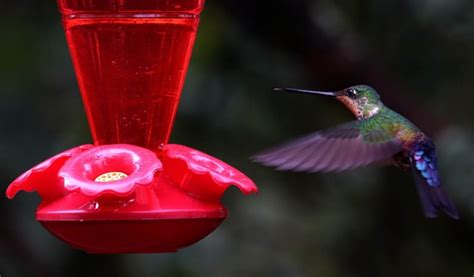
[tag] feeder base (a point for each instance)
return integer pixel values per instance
(132, 236)
(138, 204)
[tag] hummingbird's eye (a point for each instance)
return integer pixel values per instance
(352, 93)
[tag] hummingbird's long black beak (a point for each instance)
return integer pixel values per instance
(304, 91)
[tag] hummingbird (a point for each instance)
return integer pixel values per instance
(379, 135)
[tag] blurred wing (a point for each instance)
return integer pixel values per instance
(340, 148)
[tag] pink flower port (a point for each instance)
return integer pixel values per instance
(193, 170)
(134, 165)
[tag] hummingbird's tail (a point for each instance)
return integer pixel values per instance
(434, 199)
(425, 171)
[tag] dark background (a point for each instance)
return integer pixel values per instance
(418, 54)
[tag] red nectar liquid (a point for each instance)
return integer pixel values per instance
(130, 58)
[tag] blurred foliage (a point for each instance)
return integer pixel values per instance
(418, 54)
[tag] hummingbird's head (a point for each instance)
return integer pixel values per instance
(363, 101)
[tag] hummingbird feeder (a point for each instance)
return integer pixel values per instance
(131, 191)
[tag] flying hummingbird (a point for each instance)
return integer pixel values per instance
(378, 135)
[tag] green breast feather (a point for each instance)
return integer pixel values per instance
(386, 125)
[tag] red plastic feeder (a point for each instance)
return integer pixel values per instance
(131, 191)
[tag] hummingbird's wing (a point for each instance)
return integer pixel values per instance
(347, 146)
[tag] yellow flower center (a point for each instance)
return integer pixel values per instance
(110, 176)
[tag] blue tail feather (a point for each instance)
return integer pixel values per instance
(425, 171)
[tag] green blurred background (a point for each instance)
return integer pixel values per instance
(418, 54)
